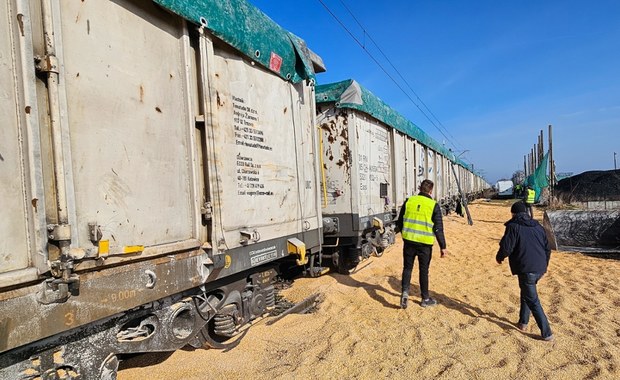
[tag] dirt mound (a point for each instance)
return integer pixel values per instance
(599, 185)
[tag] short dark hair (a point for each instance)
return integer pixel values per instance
(426, 186)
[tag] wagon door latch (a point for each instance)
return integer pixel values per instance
(248, 236)
(63, 283)
(57, 290)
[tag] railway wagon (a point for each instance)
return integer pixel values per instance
(372, 160)
(158, 165)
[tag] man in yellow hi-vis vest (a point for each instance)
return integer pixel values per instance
(420, 223)
(529, 197)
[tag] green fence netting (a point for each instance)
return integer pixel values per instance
(538, 180)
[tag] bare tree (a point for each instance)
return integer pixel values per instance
(518, 177)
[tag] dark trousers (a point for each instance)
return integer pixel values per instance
(424, 254)
(530, 210)
(531, 303)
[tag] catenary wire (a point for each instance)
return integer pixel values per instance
(454, 142)
(384, 70)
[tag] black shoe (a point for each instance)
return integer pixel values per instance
(428, 302)
(403, 300)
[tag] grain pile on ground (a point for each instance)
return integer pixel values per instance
(590, 186)
(359, 332)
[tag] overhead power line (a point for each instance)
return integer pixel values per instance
(397, 71)
(372, 57)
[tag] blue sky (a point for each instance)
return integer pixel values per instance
(494, 73)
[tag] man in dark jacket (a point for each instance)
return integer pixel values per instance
(420, 222)
(526, 246)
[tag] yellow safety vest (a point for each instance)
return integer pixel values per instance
(417, 223)
(531, 196)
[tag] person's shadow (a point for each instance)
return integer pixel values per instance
(457, 305)
(376, 292)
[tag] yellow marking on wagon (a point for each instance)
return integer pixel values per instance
(104, 247)
(133, 248)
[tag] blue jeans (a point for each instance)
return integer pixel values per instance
(531, 303)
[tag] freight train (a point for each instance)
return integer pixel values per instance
(372, 159)
(162, 161)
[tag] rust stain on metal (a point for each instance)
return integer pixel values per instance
(346, 155)
(329, 153)
(34, 202)
(27, 109)
(341, 128)
(141, 93)
(331, 130)
(220, 103)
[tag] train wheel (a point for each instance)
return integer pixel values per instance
(222, 331)
(345, 260)
(379, 252)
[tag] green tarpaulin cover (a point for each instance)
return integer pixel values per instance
(349, 94)
(246, 28)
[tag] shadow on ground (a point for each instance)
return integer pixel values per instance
(456, 305)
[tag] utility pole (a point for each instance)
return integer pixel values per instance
(541, 146)
(551, 163)
(615, 168)
(463, 199)
(458, 186)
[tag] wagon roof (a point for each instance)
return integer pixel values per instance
(350, 94)
(254, 34)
